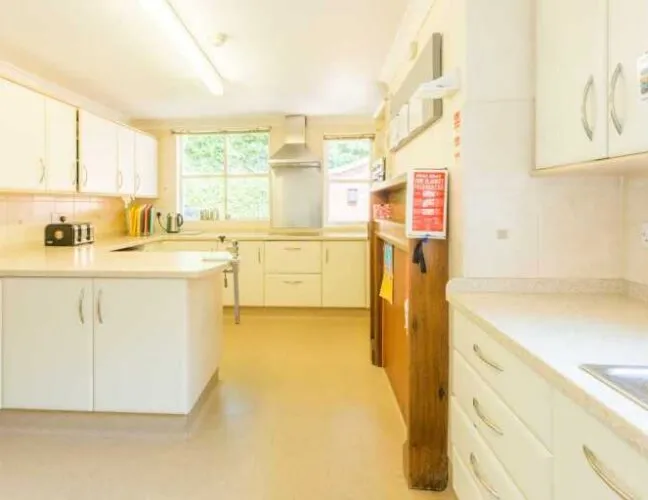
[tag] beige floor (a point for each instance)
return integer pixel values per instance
(299, 414)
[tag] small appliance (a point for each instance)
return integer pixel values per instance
(174, 222)
(69, 234)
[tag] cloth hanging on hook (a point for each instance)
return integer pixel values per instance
(418, 257)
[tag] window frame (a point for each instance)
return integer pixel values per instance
(225, 175)
(328, 181)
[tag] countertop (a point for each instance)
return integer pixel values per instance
(240, 236)
(556, 333)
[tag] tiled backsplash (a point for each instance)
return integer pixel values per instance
(635, 213)
(23, 217)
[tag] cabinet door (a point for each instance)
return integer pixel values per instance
(22, 138)
(344, 278)
(140, 334)
(98, 154)
(47, 344)
(587, 454)
(146, 166)
(571, 82)
(628, 121)
(61, 138)
(251, 274)
(126, 168)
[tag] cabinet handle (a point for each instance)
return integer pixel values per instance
(600, 472)
(326, 256)
(585, 121)
(80, 306)
(85, 175)
(43, 169)
(474, 465)
(99, 307)
(292, 249)
(613, 111)
(485, 419)
(484, 359)
(296, 282)
(120, 179)
(259, 254)
(137, 182)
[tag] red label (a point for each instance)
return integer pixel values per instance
(429, 202)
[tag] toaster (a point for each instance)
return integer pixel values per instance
(68, 234)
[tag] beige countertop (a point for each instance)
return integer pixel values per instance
(250, 236)
(556, 333)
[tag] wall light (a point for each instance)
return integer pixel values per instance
(185, 43)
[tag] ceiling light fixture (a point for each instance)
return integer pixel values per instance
(185, 43)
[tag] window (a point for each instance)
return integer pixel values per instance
(347, 179)
(225, 176)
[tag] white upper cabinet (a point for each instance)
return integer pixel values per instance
(146, 166)
(571, 82)
(98, 154)
(126, 167)
(344, 274)
(628, 123)
(61, 142)
(22, 138)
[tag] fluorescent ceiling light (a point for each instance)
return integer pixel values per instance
(185, 43)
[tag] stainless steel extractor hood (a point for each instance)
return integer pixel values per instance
(295, 152)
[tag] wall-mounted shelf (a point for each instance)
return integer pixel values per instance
(390, 184)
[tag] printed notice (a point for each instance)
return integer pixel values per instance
(427, 204)
(642, 75)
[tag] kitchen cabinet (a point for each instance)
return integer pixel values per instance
(628, 41)
(344, 274)
(47, 353)
(22, 138)
(146, 166)
(571, 82)
(61, 141)
(138, 334)
(126, 163)
(293, 290)
(251, 283)
(591, 461)
(286, 257)
(98, 154)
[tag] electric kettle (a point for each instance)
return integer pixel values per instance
(174, 222)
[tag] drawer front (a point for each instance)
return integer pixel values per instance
(463, 483)
(488, 473)
(519, 386)
(291, 257)
(521, 453)
(293, 290)
(618, 465)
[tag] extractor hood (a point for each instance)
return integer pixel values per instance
(294, 152)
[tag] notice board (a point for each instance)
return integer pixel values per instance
(427, 204)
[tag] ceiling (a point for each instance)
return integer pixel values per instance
(316, 57)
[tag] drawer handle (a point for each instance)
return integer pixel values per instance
(480, 355)
(485, 419)
(474, 465)
(600, 472)
(292, 249)
(296, 282)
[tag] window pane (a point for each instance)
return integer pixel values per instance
(348, 158)
(247, 153)
(348, 202)
(198, 194)
(203, 154)
(248, 199)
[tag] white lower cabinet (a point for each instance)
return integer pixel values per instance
(463, 482)
(47, 344)
(251, 283)
(344, 274)
(591, 462)
(293, 290)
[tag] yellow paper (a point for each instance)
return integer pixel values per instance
(387, 288)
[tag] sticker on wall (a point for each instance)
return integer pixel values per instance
(427, 204)
(387, 285)
(642, 75)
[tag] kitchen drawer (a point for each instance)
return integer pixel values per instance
(463, 482)
(492, 479)
(525, 458)
(291, 257)
(293, 290)
(617, 463)
(519, 386)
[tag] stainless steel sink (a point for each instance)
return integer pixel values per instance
(631, 381)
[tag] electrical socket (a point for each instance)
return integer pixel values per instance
(644, 234)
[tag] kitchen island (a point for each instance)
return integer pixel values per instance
(90, 329)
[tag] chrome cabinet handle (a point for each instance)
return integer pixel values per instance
(292, 249)
(478, 352)
(99, 307)
(489, 423)
(120, 179)
(85, 175)
(613, 111)
(80, 306)
(474, 465)
(296, 282)
(137, 182)
(326, 256)
(43, 169)
(259, 254)
(585, 121)
(600, 472)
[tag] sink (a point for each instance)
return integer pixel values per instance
(629, 380)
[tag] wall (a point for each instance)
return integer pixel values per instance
(317, 128)
(635, 214)
(504, 222)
